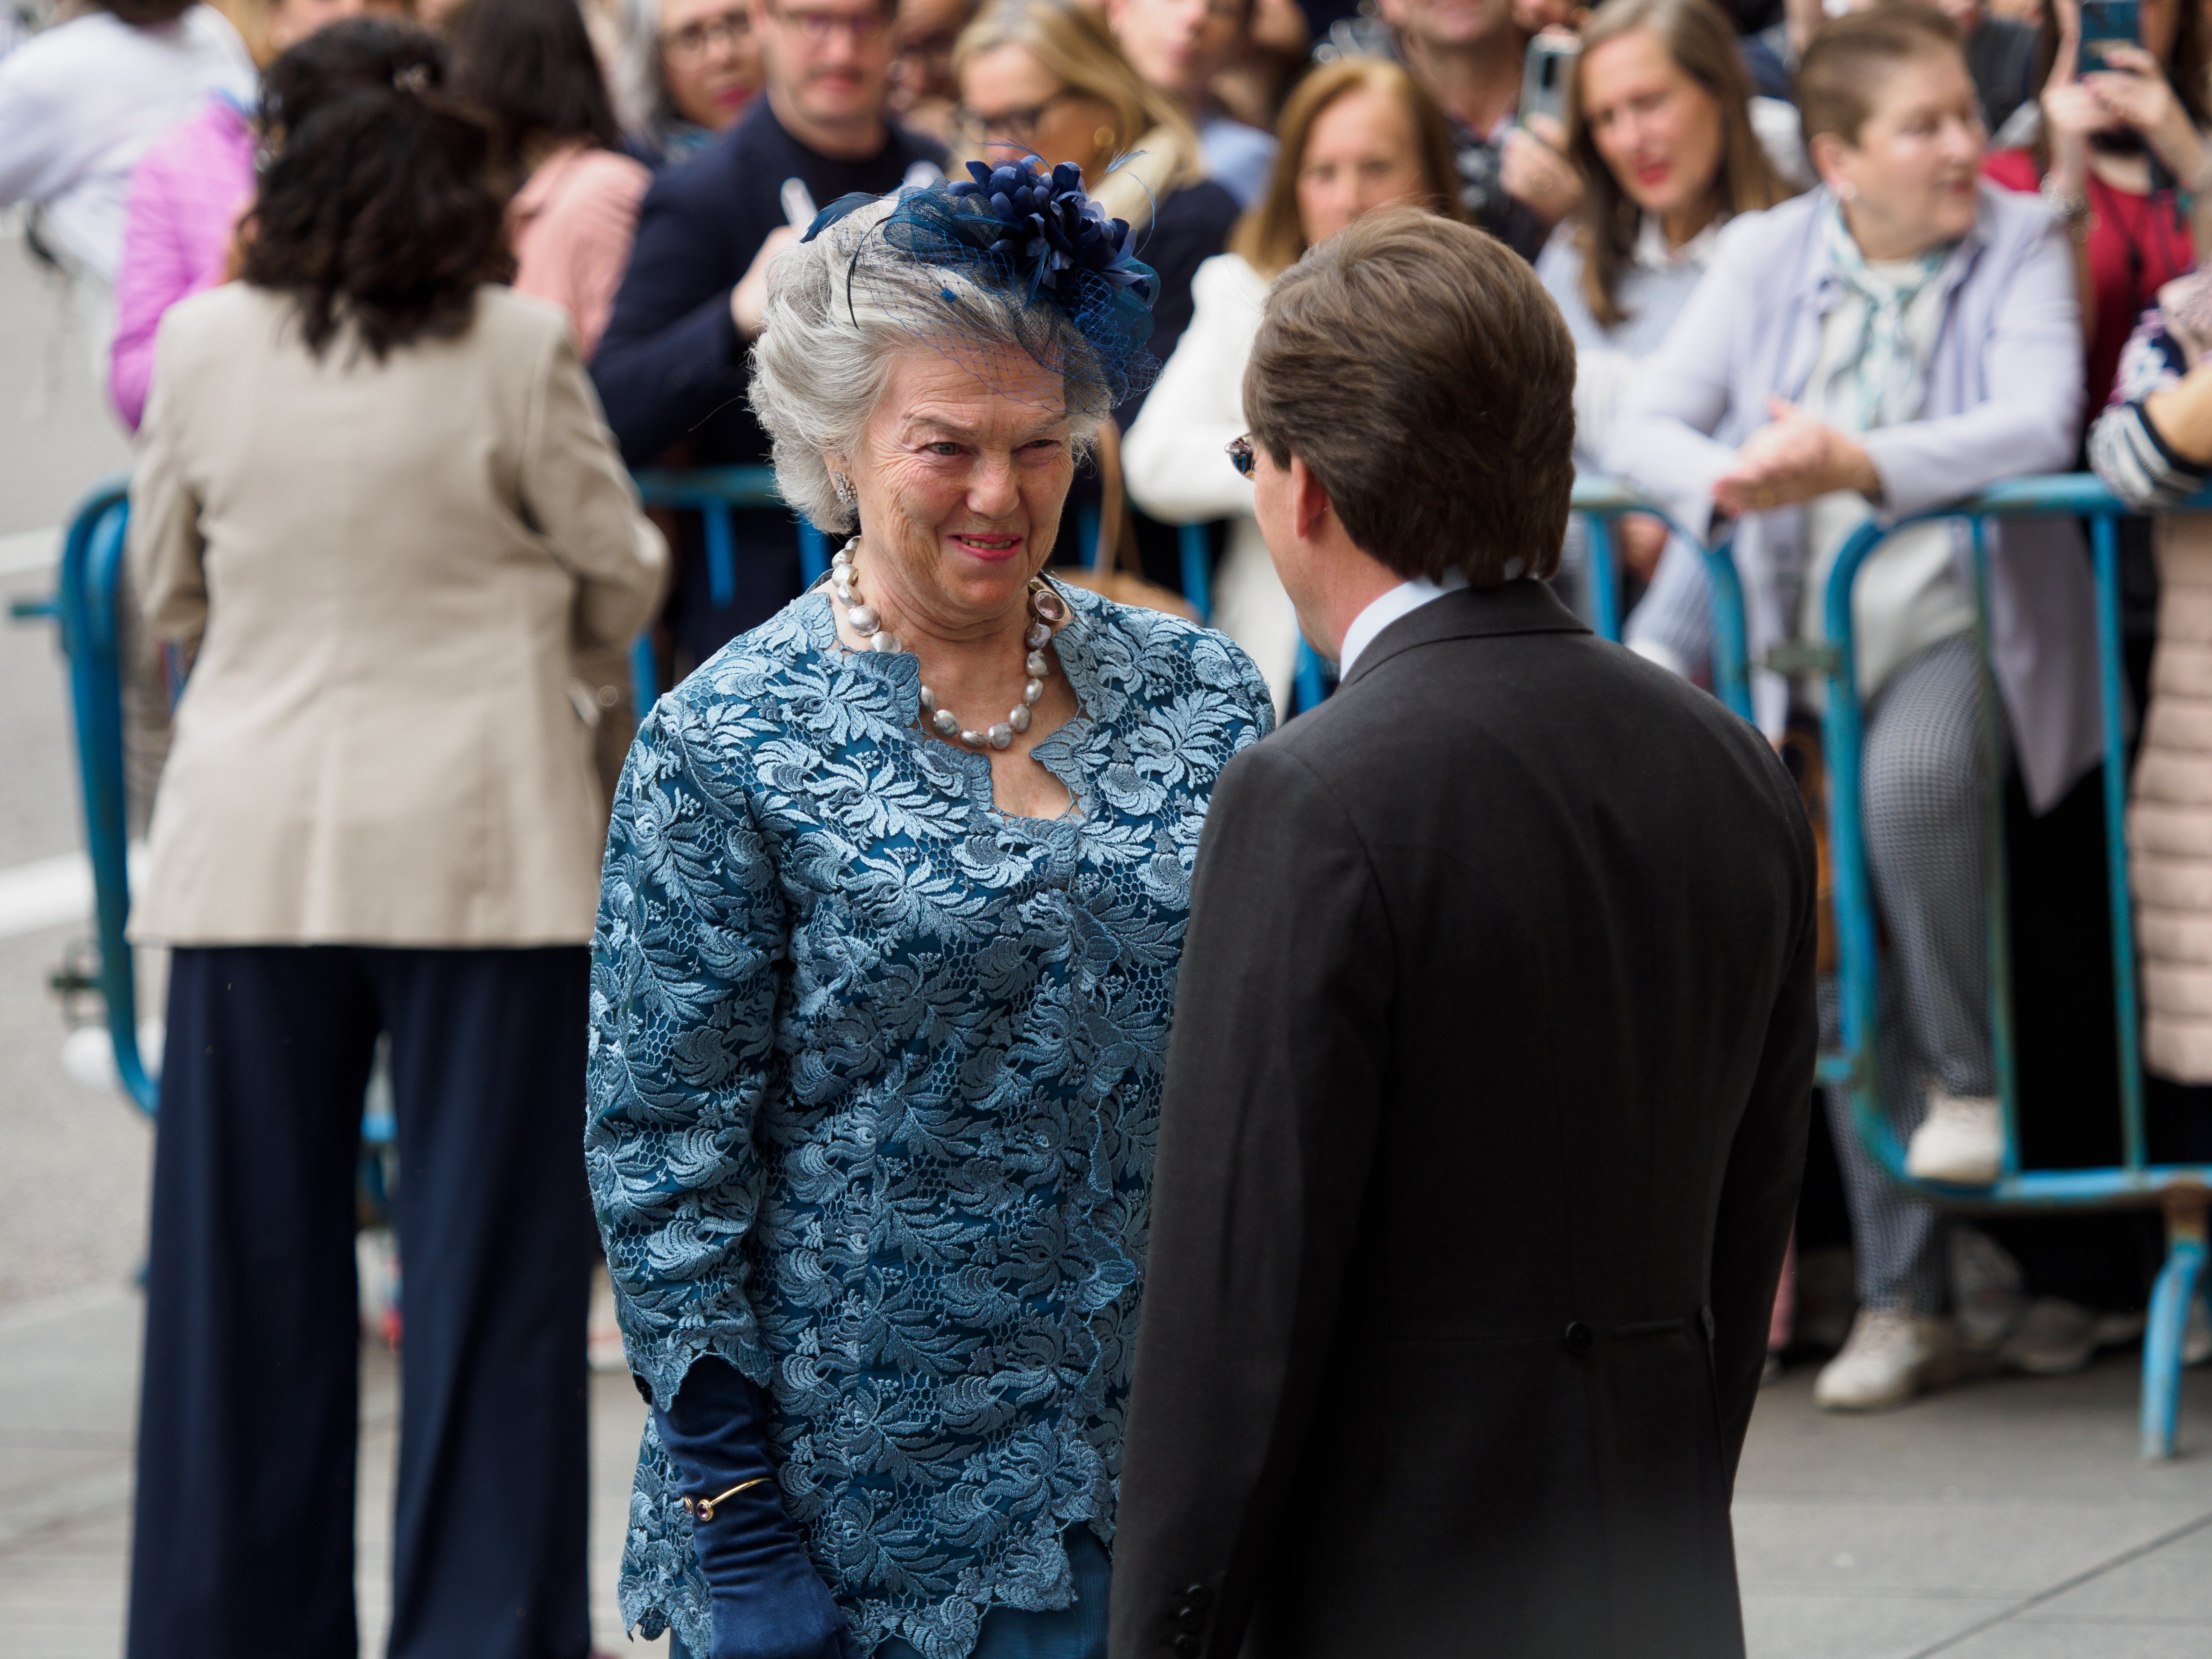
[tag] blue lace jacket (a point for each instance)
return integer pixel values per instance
(874, 1076)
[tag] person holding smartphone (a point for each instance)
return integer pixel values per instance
(1470, 58)
(2123, 145)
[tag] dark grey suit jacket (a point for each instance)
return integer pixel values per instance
(1484, 1116)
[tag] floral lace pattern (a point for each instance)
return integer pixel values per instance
(874, 1076)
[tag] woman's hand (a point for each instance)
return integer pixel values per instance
(2134, 91)
(768, 1601)
(1536, 172)
(2070, 110)
(1793, 458)
(786, 1613)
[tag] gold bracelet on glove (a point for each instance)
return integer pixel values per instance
(701, 1509)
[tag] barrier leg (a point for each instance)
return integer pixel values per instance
(1604, 576)
(722, 556)
(1312, 690)
(2169, 1316)
(813, 554)
(644, 675)
(1197, 556)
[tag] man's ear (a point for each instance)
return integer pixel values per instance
(1309, 503)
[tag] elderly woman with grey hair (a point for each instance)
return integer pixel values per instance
(893, 904)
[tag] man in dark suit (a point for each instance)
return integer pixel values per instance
(1486, 1104)
(671, 367)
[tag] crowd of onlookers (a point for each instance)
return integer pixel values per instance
(1818, 261)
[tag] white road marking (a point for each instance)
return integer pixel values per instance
(49, 892)
(28, 551)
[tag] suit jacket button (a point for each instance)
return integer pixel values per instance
(1190, 1618)
(1198, 1595)
(1579, 1338)
(1186, 1644)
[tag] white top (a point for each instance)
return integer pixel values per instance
(1173, 459)
(1403, 600)
(1603, 372)
(83, 102)
(1908, 596)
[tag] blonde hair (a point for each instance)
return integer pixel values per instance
(1272, 236)
(1076, 48)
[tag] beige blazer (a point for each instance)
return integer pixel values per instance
(387, 569)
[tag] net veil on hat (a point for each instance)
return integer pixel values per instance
(1022, 252)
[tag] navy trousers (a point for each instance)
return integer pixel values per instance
(244, 1537)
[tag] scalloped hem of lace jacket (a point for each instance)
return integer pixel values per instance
(950, 1630)
(669, 1359)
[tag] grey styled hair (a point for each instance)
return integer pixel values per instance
(840, 309)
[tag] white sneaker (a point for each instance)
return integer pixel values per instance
(1889, 1358)
(2058, 1338)
(1961, 1141)
(1988, 1293)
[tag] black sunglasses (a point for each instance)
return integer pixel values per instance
(1241, 456)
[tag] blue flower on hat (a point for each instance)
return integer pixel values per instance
(1049, 228)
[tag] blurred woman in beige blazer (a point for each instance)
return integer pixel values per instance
(376, 498)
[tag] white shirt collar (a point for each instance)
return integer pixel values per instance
(1403, 600)
(1652, 254)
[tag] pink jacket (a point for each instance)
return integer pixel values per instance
(571, 225)
(185, 197)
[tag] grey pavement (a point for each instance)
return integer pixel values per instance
(2009, 1519)
(73, 1163)
(68, 1392)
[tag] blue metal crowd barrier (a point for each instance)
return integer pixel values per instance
(2181, 1190)
(1599, 503)
(715, 493)
(84, 608)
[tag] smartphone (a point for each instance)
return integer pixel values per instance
(1547, 72)
(799, 203)
(2104, 23)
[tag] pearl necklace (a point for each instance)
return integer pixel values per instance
(1045, 610)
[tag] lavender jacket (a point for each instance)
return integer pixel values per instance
(2004, 398)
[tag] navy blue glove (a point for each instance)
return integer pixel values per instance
(769, 1601)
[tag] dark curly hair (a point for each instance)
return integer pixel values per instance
(375, 209)
(529, 66)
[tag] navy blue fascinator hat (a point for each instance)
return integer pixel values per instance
(1021, 251)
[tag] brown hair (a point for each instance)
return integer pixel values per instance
(1270, 236)
(1847, 57)
(1418, 369)
(1700, 41)
(1077, 49)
